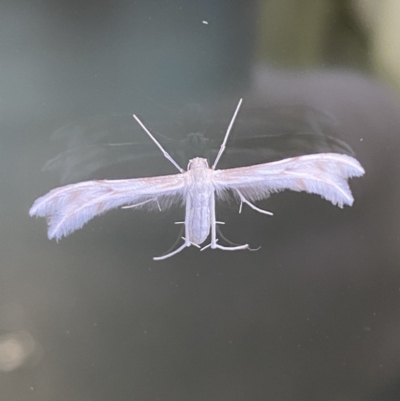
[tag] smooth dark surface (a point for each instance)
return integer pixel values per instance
(313, 315)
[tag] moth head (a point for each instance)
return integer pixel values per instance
(197, 162)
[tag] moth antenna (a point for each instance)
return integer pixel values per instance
(228, 131)
(164, 152)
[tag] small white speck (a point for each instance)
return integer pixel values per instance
(31, 388)
(361, 139)
(205, 22)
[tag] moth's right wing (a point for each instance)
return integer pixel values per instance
(324, 174)
(68, 208)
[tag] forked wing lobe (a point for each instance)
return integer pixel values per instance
(68, 208)
(324, 174)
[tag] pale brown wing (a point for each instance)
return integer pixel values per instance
(324, 174)
(68, 208)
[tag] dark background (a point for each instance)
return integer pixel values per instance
(313, 315)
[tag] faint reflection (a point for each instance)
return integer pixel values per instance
(15, 350)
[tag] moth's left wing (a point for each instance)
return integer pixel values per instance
(68, 208)
(324, 174)
(81, 163)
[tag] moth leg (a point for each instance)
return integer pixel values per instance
(168, 255)
(177, 241)
(182, 247)
(233, 243)
(224, 238)
(214, 240)
(230, 248)
(208, 246)
(191, 243)
(187, 242)
(142, 203)
(244, 200)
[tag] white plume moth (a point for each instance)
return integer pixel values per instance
(69, 207)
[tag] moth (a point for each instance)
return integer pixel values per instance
(69, 207)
